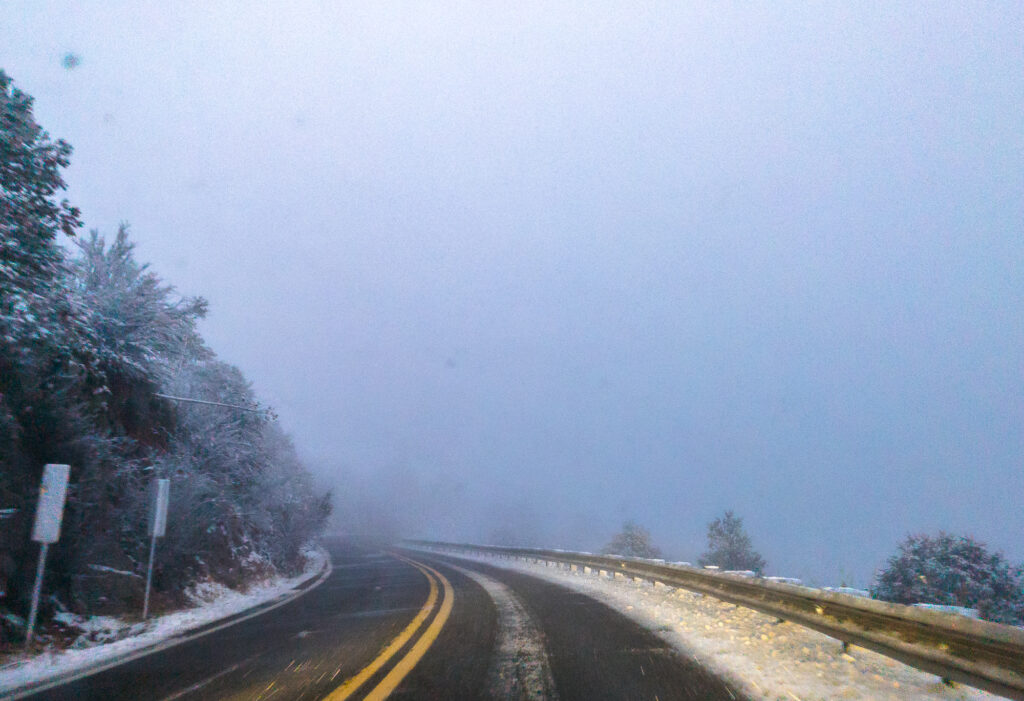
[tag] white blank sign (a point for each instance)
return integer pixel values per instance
(158, 508)
(50, 509)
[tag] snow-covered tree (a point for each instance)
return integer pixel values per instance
(86, 344)
(954, 571)
(729, 546)
(140, 328)
(44, 357)
(633, 540)
(241, 493)
(31, 218)
(295, 510)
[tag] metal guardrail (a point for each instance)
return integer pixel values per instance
(982, 654)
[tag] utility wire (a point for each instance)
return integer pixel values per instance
(256, 410)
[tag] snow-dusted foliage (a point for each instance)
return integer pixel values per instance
(30, 218)
(634, 541)
(953, 571)
(729, 546)
(139, 328)
(242, 496)
(87, 343)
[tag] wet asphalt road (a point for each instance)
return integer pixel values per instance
(307, 648)
(597, 653)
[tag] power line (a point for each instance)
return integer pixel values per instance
(255, 410)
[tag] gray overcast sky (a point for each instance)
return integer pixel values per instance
(550, 266)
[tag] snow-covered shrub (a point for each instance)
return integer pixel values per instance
(953, 571)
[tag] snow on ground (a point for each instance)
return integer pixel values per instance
(106, 638)
(766, 658)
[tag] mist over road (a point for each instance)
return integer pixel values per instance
(573, 265)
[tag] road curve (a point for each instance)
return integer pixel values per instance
(593, 651)
(412, 625)
(302, 650)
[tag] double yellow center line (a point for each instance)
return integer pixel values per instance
(405, 665)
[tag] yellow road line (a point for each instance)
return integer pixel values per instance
(406, 664)
(351, 685)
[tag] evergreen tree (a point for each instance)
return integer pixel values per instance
(138, 326)
(634, 541)
(44, 354)
(954, 571)
(729, 546)
(30, 219)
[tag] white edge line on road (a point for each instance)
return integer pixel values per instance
(26, 691)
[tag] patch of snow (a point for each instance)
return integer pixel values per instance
(104, 568)
(95, 630)
(963, 611)
(785, 580)
(520, 667)
(741, 573)
(756, 652)
(67, 619)
(850, 590)
(106, 638)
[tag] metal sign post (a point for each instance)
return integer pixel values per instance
(157, 528)
(49, 514)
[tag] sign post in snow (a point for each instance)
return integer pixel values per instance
(157, 528)
(46, 529)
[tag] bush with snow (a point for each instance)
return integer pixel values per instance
(953, 571)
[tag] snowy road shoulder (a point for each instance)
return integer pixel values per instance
(765, 657)
(216, 607)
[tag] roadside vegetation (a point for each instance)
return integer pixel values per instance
(729, 546)
(942, 570)
(633, 541)
(89, 337)
(953, 571)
